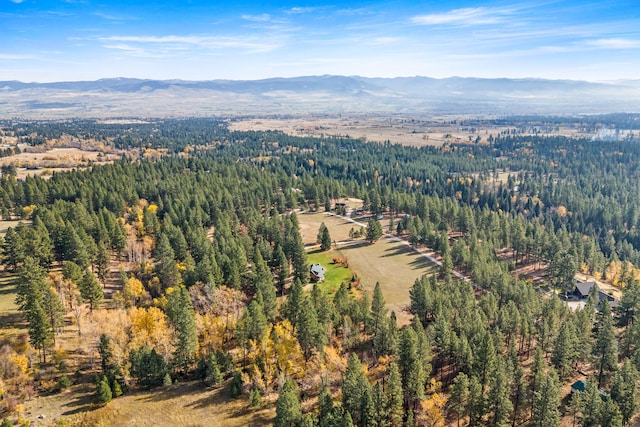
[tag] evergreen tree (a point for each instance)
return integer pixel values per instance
(40, 329)
(356, 392)
(282, 267)
(263, 283)
(90, 289)
(324, 238)
(255, 399)
(629, 304)
(385, 341)
(537, 372)
(72, 271)
(13, 249)
(477, 405)
(374, 230)
(309, 331)
(520, 393)
(166, 267)
(498, 400)
(74, 248)
(110, 367)
(605, 348)
(235, 385)
(591, 405)
(484, 359)
(546, 402)
(183, 318)
(31, 290)
(212, 376)
(288, 408)
(447, 265)
(378, 309)
(103, 258)
(103, 392)
(419, 300)
(395, 398)
(293, 303)
(610, 415)
(298, 256)
(459, 398)
(147, 367)
(624, 391)
(116, 388)
(565, 349)
(411, 369)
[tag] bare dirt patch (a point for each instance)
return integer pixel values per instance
(5, 225)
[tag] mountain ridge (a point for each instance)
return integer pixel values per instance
(315, 94)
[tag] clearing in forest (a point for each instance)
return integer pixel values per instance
(182, 404)
(394, 264)
(335, 272)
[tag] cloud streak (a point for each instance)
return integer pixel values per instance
(203, 42)
(615, 43)
(114, 17)
(468, 16)
(265, 17)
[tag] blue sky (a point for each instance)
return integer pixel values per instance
(204, 40)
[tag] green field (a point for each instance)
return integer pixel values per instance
(335, 274)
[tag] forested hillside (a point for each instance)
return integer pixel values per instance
(183, 261)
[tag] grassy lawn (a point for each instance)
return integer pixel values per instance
(11, 322)
(335, 274)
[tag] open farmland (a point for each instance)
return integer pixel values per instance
(58, 159)
(398, 130)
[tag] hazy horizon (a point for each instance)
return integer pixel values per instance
(614, 81)
(72, 40)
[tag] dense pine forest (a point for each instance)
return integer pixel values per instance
(183, 261)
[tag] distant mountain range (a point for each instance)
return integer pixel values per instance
(119, 97)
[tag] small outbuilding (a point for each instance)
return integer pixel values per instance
(578, 386)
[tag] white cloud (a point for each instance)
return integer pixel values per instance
(114, 17)
(265, 17)
(136, 51)
(11, 57)
(467, 16)
(615, 43)
(17, 1)
(298, 10)
(173, 42)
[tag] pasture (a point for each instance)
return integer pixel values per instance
(394, 264)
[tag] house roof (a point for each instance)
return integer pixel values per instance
(584, 288)
(578, 386)
(603, 295)
(317, 270)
